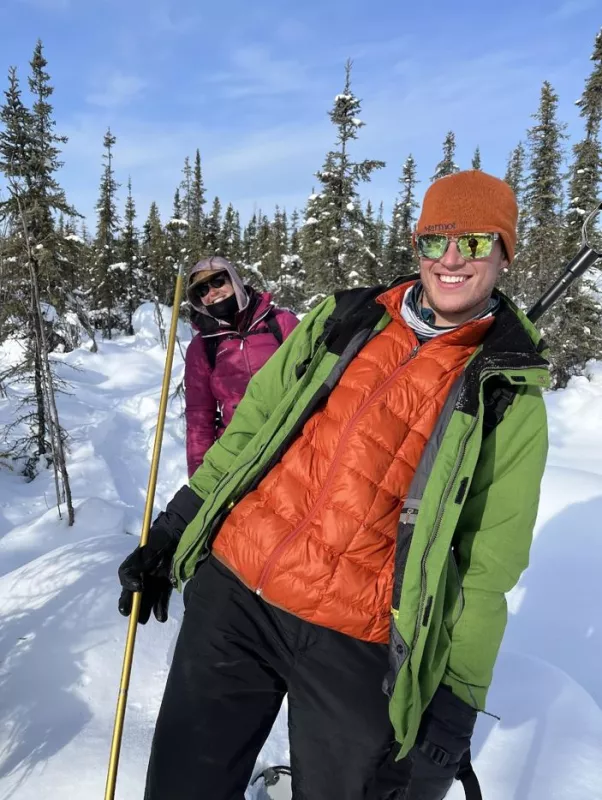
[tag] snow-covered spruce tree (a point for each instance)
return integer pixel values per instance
(513, 278)
(290, 291)
(249, 239)
(277, 247)
(176, 231)
(258, 243)
(29, 160)
(230, 242)
(192, 192)
(543, 201)
(373, 271)
(586, 170)
(109, 283)
(476, 159)
(130, 256)
(186, 189)
(334, 253)
(400, 256)
(212, 229)
(157, 276)
(577, 329)
(15, 144)
(447, 165)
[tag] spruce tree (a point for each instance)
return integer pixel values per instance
(130, 255)
(260, 253)
(372, 273)
(186, 190)
(175, 237)
(230, 245)
(476, 159)
(586, 171)
(577, 336)
(447, 165)
(290, 292)
(156, 264)
(543, 199)
(381, 241)
(15, 145)
(109, 280)
(29, 159)
(400, 256)
(277, 246)
(195, 203)
(248, 239)
(514, 277)
(212, 229)
(334, 253)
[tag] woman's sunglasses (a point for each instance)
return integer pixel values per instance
(470, 245)
(216, 282)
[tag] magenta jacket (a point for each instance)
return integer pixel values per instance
(212, 395)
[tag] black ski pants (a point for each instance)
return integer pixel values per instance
(235, 659)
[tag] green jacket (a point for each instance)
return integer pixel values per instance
(466, 529)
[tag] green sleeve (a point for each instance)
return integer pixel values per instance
(493, 540)
(264, 392)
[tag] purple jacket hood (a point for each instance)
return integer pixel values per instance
(217, 264)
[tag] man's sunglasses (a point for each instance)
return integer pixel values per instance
(470, 245)
(216, 282)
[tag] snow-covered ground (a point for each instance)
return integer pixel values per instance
(61, 638)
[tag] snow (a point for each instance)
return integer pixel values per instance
(49, 312)
(62, 640)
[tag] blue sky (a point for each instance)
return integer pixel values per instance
(250, 84)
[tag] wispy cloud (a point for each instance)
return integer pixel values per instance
(116, 89)
(571, 8)
(255, 71)
(164, 18)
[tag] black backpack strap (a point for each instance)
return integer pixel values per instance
(499, 395)
(211, 343)
(468, 778)
(272, 323)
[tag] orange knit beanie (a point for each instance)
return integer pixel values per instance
(470, 202)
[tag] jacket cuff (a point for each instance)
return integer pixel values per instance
(180, 511)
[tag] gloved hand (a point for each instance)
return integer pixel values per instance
(442, 748)
(147, 569)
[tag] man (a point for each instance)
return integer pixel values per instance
(350, 539)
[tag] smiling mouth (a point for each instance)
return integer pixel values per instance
(453, 280)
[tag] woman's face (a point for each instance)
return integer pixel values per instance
(217, 288)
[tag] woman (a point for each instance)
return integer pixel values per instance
(239, 329)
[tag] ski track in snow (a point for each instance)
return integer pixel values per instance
(62, 640)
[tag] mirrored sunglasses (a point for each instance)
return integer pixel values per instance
(216, 282)
(470, 245)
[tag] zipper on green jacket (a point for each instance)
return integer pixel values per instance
(437, 525)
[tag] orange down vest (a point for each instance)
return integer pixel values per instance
(317, 535)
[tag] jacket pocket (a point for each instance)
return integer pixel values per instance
(454, 593)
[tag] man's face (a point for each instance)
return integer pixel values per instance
(457, 289)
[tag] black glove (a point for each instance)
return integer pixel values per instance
(147, 569)
(441, 749)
